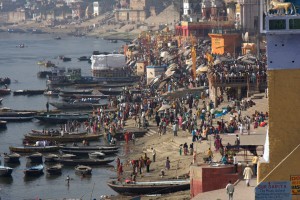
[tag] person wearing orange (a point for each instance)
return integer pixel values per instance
(126, 136)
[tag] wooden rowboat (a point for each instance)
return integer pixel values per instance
(32, 149)
(74, 162)
(65, 138)
(152, 187)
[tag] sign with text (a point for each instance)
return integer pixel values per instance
(276, 190)
(295, 183)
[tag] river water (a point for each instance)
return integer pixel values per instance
(20, 64)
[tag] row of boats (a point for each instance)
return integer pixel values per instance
(96, 156)
(51, 170)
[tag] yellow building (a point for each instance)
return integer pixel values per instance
(283, 142)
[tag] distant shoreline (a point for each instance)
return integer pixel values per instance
(126, 37)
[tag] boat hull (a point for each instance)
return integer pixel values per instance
(61, 119)
(137, 189)
(54, 170)
(86, 152)
(67, 138)
(33, 149)
(8, 159)
(17, 116)
(75, 162)
(34, 171)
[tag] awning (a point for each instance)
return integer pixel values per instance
(164, 107)
(202, 70)
(169, 73)
(187, 52)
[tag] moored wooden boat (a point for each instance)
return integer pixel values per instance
(74, 162)
(77, 105)
(86, 152)
(62, 118)
(16, 116)
(32, 149)
(34, 170)
(12, 158)
(35, 158)
(54, 170)
(77, 91)
(151, 187)
(92, 148)
(84, 58)
(28, 92)
(83, 170)
(64, 138)
(5, 171)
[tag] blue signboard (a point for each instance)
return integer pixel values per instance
(277, 190)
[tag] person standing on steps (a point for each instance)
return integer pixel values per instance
(230, 190)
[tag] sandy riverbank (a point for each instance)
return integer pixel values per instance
(168, 146)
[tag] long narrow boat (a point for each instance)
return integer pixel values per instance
(62, 118)
(91, 148)
(16, 116)
(32, 149)
(28, 92)
(5, 171)
(74, 162)
(77, 105)
(34, 171)
(86, 152)
(64, 138)
(76, 91)
(152, 187)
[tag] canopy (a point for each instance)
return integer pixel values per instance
(164, 107)
(201, 69)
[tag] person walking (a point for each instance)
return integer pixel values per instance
(230, 190)
(248, 174)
